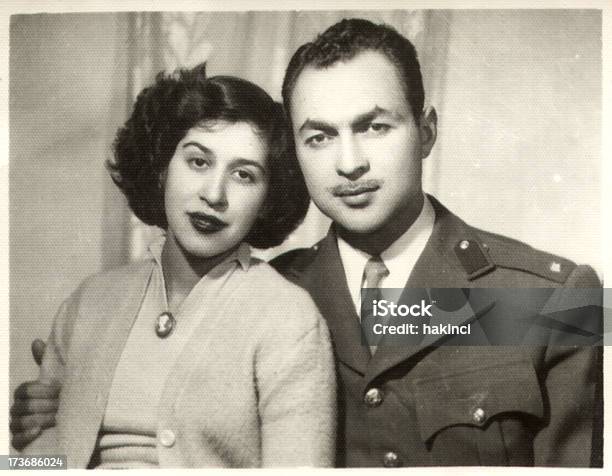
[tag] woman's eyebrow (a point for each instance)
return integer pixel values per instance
(241, 161)
(203, 148)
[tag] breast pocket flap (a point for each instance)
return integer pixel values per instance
(477, 396)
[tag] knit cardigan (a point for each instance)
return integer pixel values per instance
(253, 387)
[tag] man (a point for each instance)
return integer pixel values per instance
(356, 103)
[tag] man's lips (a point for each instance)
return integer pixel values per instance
(206, 223)
(352, 189)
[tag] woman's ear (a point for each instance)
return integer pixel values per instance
(428, 130)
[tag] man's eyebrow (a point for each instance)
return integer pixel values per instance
(318, 125)
(378, 111)
(360, 120)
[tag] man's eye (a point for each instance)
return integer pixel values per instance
(244, 176)
(379, 127)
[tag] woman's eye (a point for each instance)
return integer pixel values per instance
(244, 176)
(317, 140)
(198, 162)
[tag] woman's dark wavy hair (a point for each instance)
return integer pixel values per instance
(163, 114)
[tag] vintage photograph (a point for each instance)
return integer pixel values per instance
(198, 198)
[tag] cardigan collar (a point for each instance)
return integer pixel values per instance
(241, 255)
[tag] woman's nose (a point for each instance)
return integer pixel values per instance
(213, 192)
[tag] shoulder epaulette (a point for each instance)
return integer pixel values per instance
(513, 254)
(473, 257)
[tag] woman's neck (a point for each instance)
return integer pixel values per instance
(182, 270)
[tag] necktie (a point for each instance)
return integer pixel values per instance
(373, 273)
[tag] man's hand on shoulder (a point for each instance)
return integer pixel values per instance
(34, 407)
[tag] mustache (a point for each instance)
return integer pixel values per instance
(355, 188)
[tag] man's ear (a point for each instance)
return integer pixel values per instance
(428, 130)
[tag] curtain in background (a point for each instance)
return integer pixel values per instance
(518, 95)
(257, 46)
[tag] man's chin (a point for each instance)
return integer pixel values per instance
(367, 220)
(359, 227)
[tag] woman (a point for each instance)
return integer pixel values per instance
(199, 355)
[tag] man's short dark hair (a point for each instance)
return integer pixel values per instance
(345, 40)
(162, 116)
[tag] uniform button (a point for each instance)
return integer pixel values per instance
(167, 438)
(391, 460)
(479, 415)
(464, 245)
(373, 397)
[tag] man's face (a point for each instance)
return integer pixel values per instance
(358, 144)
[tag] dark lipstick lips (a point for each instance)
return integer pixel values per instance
(206, 223)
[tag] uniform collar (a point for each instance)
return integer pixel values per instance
(438, 266)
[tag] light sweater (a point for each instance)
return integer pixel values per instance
(253, 386)
(127, 437)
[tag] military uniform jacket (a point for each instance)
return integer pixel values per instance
(428, 405)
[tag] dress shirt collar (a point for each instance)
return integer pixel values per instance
(399, 258)
(403, 254)
(242, 254)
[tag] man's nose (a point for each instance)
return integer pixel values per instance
(351, 163)
(213, 191)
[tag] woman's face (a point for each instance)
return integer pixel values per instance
(215, 186)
